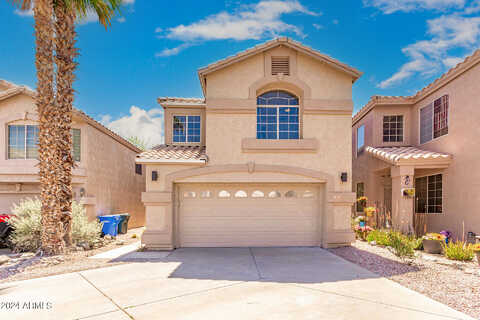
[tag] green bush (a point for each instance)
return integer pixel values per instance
(458, 251)
(417, 243)
(402, 246)
(27, 225)
(379, 236)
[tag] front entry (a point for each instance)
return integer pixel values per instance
(244, 215)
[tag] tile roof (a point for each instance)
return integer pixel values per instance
(168, 101)
(174, 153)
(445, 78)
(406, 155)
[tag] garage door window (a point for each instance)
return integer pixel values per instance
(206, 194)
(241, 194)
(290, 194)
(258, 194)
(274, 194)
(189, 194)
(224, 194)
(308, 194)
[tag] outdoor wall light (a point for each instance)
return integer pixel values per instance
(343, 177)
(154, 175)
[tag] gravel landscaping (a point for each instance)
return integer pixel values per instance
(454, 283)
(22, 266)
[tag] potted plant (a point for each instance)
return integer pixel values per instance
(432, 242)
(362, 201)
(360, 221)
(476, 249)
(362, 232)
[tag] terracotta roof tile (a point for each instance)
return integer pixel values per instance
(180, 101)
(175, 153)
(397, 155)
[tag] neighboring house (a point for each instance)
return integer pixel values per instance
(260, 160)
(429, 141)
(105, 177)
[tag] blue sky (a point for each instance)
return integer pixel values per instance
(155, 48)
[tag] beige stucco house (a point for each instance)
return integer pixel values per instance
(105, 178)
(259, 160)
(428, 141)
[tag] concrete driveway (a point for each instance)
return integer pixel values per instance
(222, 283)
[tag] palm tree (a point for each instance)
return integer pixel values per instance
(55, 44)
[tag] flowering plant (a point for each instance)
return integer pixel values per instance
(359, 219)
(362, 199)
(476, 247)
(369, 211)
(447, 234)
(434, 236)
(362, 232)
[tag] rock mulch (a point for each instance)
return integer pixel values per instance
(22, 266)
(454, 283)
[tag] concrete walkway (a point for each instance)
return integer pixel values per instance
(223, 283)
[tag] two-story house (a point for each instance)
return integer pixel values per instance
(427, 141)
(105, 178)
(262, 160)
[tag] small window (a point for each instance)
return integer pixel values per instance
(360, 193)
(308, 194)
(258, 194)
(428, 194)
(240, 194)
(186, 129)
(189, 194)
(138, 168)
(360, 139)
(23, 142)
(206, 194)
(224, 194)
(280, 65)
(392, 128)
(290, 194)
(274, 194)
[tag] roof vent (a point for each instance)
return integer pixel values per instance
(280, 65)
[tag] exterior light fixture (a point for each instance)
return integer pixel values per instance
(344, 177)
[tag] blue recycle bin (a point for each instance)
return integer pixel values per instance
(110, 224)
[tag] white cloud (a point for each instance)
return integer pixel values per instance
(255, 21)
(391, 6)
(450, 34)
(317, 26)
(121, 19)
(144, 124)
(335, 21)
(173, 51)
(24, 13)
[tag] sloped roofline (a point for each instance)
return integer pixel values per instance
(444, 79)
(15, 90)
(202, 72)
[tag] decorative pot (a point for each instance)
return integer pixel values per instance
(432, 246)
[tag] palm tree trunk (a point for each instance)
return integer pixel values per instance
(52, 242)
(65, 54)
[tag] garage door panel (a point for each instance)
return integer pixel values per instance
(245, 215)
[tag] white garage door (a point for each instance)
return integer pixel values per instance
(248, 215)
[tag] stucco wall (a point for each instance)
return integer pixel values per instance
(112, 178)
(461, 190)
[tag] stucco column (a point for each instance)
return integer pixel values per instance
(337, 230)
(402, 207)
(158, 234)
(89, 203)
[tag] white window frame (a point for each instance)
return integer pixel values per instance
(186, 128)
(433, 120)
(25, 140)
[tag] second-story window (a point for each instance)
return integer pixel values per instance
(186, 129)
(22, 142)
(277, 116)
(434, 120)
(392, 128)
(360, 139)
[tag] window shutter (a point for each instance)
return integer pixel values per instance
(76, 141)
(280, 65)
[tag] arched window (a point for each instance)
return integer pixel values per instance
(277, 116)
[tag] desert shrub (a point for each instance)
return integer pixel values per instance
(417, 243)
(458, 250)
(27, 225)
(401, 245)
(379, 236)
